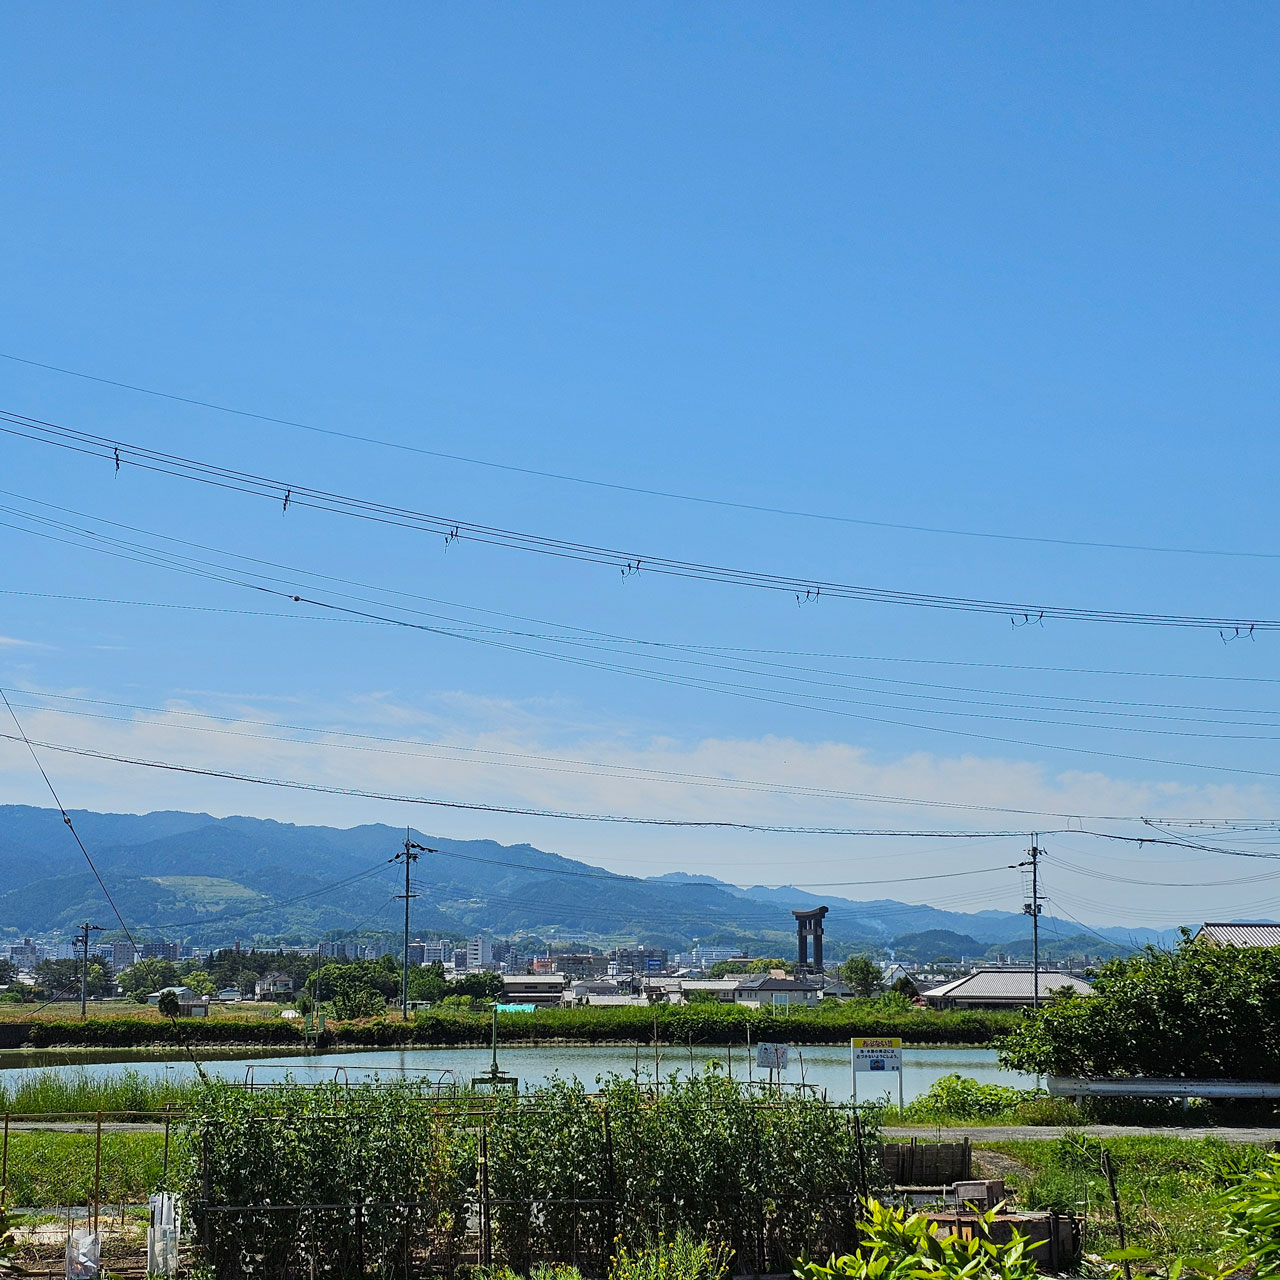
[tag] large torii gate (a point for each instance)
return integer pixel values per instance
(809, 925)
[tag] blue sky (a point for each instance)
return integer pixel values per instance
(997, 268)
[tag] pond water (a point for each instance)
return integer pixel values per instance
(824, 1066)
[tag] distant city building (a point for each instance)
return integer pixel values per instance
(704, 957)
(545, 989)
(417, 952)
(479, 952)
(436, 952)
(459, 957)
(160, 951)
(581, 964)
(640, 960)
(337, 950)
(24, 953)
(123, 954)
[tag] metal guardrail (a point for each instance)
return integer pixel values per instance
(1153, 1087)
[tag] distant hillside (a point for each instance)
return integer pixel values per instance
(215, 880)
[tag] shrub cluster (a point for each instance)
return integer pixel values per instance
(1197, 1012)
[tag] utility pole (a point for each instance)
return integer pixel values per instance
(84, 963)
(410, 855)
(1033, 910)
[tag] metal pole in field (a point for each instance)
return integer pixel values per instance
(4, 1163)
(899, 1088)
(853, 1074)
(97, 1174)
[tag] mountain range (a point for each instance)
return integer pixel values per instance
(200, 879)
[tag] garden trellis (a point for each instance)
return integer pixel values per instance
(380, 1179)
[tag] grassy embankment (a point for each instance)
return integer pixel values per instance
(700, 1024)
(68, 1010)
(79, 1093)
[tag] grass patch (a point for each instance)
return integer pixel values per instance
(51, 1093)
(1168, 1187)
(55, 1170)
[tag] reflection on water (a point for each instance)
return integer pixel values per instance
(824, 1066)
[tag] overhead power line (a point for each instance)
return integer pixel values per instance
(641, 490)
(284, 590)
(804, 588)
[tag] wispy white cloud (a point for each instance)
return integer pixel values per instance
(537, 755)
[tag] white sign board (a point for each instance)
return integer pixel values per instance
(877, 1053)
(771, 1057)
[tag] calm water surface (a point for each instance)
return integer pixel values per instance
(825, 1066)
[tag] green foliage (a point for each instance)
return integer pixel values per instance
(8, 971)
(1169, 1187)
(960, 1098)
(52, 1170)
(901, 1245)
(762, 964)
(680, 1258)
(61, 978)
(66, 1093)
(862, 975)
(168, 1004)
(123, 1033)
(145, 976)
(1200, 1012)
(8, 1245)
(1252, 1210)
(199, 981)
(569, 1174)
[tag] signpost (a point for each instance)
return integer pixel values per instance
(771, 1057)
(874, 1054)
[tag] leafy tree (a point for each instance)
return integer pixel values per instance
(168, 1004)
(199, 982)
(862, 975)
(8, 972)
(906, 987)
(359, 989)
(1198, 1012)
(358, 1000)
(145, 976)
(481, 985)
(55, 977)
(427, 982)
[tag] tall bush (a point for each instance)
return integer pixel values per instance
(1197, 1012)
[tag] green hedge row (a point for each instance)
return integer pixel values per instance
(127, 1033)
(703, 1024)
(706, 1024)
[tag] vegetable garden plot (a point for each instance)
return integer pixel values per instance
(386, 1179)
